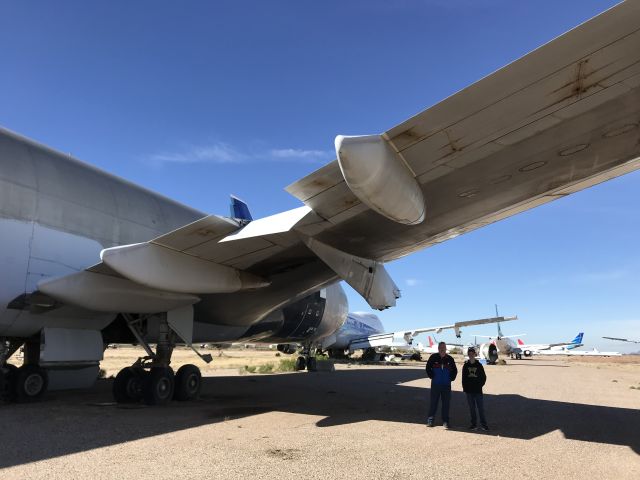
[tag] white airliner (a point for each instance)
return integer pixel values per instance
(364, 331)
(499, 345)
(89, 259)
(431, 348)
(580, 353)
(529, 349)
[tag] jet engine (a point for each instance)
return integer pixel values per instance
(489, 352)
(527, 353)
(311, 318)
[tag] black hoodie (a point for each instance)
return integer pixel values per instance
(473, 377)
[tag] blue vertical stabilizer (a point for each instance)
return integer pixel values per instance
(240, 210)
(576, 342)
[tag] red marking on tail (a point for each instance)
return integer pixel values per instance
(520, 342)
(430, 341)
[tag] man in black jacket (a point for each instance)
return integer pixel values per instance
(473, 379)
(442, 370)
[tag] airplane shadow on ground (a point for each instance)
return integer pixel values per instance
(71, 422)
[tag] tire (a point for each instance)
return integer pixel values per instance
(158, 386)
(188, 381)
(127, 386)
(301, 363)
(30, 383)
(7, 382)
(312, 364)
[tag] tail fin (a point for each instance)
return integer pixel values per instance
(430, 341)
(239, 209)
(520, 342)
(578, 338)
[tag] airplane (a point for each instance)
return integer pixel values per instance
(432, 348)
(500, 344)
(535, 348)
(364, 331)
(89, 259)
(580, 353)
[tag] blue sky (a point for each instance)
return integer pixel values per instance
(200, 99)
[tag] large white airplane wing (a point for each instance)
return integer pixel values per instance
(560, 119)
(405, 337)
(622, 339)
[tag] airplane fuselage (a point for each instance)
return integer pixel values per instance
(57, 214)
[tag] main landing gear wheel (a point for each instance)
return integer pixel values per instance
(188, 381)
(127, 386)
(301, 363)
(30, 383)
(312, 364)
(158, 386)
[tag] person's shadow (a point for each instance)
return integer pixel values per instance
(70, 422)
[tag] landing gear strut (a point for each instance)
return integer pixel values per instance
(150, 378)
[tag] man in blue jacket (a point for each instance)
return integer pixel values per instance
(442, 370)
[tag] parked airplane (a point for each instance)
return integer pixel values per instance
(431, 348)
(364, 331)
(580, 353)
(535, 348)
(89, 259)
(501, 344)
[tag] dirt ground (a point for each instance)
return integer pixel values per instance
(549, 418)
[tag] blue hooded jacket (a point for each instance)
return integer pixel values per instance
(441, 370)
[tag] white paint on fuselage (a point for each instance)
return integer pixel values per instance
(31, 252)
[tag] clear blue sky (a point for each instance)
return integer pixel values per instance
(200, 99)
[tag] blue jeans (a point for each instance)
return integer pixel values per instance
(438, 391)
(476, 400)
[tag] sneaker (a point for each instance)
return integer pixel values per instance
(430, 422)
(473, 427)
(485, 427)
(445, 425)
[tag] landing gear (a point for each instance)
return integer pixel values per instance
(301, 363)
(30, 383)
(27, 383)
(307, 359)
(150, 378)
(7, 382)
(187, 383)
(312, 364)
(127, 386)
(158, 384)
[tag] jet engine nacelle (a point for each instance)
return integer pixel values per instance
(313, 317)
(527, 353)
(489, 352)
(378, 175)
(287, 348)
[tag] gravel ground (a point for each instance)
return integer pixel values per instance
(549, 418)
